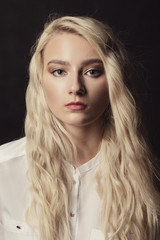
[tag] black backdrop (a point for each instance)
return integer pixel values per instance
(135, 22)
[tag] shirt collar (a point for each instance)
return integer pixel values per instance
(92, 163)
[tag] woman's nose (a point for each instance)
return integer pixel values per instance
(76, 86)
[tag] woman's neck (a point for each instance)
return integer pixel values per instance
(87, 140)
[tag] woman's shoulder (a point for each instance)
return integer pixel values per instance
(11, 150)
(13, 166)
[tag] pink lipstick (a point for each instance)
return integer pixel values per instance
(76, 106)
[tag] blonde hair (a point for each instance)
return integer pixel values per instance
(130, 202)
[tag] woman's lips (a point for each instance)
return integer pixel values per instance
(76, 106)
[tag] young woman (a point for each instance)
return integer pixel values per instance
(89, 171)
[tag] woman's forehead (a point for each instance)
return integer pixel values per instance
(69, 46)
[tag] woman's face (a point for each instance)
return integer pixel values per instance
(74, 80)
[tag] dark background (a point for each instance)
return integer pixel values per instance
(135, 22)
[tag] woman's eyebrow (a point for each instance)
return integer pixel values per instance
(57, 61)
(84, 63)
(91, 61)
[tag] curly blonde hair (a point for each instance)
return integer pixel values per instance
(130, 202)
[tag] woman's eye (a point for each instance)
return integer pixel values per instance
(94, 72)
(58, 72)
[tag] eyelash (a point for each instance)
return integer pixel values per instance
(95, 72)
(55, 72)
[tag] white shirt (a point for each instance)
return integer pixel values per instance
(14, 197)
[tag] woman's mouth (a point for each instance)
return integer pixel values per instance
(76, 106)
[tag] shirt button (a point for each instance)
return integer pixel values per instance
(72, 214)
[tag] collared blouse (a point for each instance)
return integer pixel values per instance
(84, 204)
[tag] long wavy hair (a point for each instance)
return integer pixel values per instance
(130, 203)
